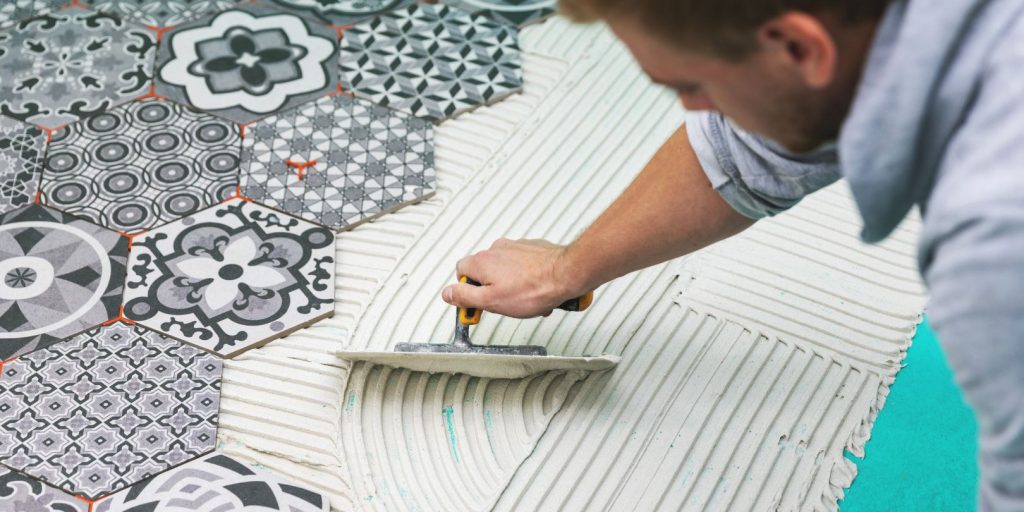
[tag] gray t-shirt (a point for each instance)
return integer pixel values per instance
(937, 122)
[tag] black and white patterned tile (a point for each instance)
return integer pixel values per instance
(141, 165)
(216, 483)
(342, 12)
(20, 493)
(13, 11)
(431, 61)
(59, 275)
(248, 62)
(21, 163)
(72, 64)
(357, 160)
(107, 409)
(231, 277)
(161, 13)
(513, 12)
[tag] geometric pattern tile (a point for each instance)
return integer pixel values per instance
(59, 275)
(247, 63)
(431, 61)
(21, 158)
(13, 11)
(231, 277)
(342, 12)
(141, 165)
(368, 160)
(20, 493)
(513, 12)
(160, 13)
(107, 409)
(215, 483)
(72, 64)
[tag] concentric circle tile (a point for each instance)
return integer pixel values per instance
(357, 160)
(142, 165)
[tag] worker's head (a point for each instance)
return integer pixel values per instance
(786, 69)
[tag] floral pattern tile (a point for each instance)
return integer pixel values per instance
(161, 13)
(247, 63)
(21, 493)
(216, 483)
(431, 61)
(513, 12)
(107, 409)
(231, 277)
(21, 163)
(72, 64)
(13, 11)
(142, 165)
(59, 275)
(357, 160)
(342, 12)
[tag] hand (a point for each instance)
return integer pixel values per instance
(519, 278)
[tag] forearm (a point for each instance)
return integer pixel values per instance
(669, 210)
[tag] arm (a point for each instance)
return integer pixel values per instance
(669, 210)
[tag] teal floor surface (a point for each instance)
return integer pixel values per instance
(922, 451)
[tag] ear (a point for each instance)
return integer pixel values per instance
(803, 42)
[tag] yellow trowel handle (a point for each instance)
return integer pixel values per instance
(471, 316)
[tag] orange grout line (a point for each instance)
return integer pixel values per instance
(119, 318)
(238, 195)
(39, 197)
(300, 166)
(131, 236)
(151, 94)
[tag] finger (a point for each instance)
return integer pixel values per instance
(466, 295)
(469, 266)
(501, 242)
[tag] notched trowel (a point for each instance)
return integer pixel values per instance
(462, 356)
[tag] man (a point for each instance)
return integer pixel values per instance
(913, 102)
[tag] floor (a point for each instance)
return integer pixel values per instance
(924, 429)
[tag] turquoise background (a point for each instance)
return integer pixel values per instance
(923, 447)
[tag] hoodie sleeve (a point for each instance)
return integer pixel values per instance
(756, 176)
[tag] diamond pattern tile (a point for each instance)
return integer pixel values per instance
(513, 12)
(72, 64)
(231, 277)
(59, 275)
(108, 408)
(142, 165)
(247, 63)
(339, 161)
(216, 483)
(431, 61)
(21, 158)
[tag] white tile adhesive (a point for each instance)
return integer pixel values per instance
(747, 369)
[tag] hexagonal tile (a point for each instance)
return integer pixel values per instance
(22, 493)
(342, 12)
(108, 408)
(339, 161)
(21, 163)
(59, 275)
(72, 64)
(246, 63)
(216, 483)
(231, 277)
(513, 12)
(13, 11)
(161, 13)
(431, 61)
(142, 165)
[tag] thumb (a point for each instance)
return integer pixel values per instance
(466, 295)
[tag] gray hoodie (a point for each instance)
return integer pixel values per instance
(937, 122)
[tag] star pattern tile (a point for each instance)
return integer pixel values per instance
(141, 165)
(339, 161)
(513, 12)
(231, 277)
(247, 63)
(59, 275)
(216, 483)
(72, 64)
(161, 13)
(21, 157)
(431, 61)
(107, 409)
